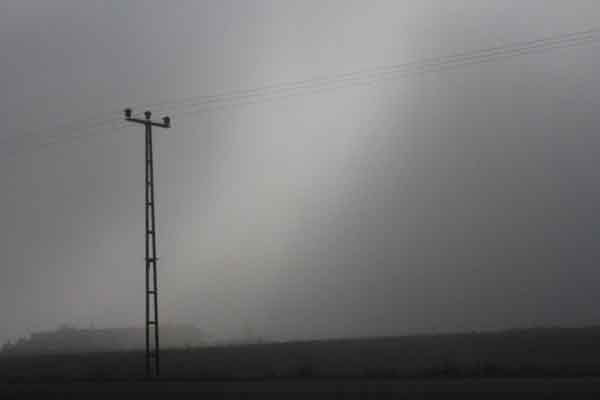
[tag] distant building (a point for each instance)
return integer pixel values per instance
(72, 340)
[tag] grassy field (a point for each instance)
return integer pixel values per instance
(520, 354)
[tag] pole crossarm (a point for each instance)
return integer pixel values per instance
(166, 121)
(153, 123)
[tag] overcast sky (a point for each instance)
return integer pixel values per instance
(463, 199)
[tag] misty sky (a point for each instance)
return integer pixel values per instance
(463, 199)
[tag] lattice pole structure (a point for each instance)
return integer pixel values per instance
(151, 257)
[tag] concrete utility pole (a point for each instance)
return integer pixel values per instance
(152, 352)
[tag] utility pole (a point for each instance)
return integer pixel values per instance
(152, 347)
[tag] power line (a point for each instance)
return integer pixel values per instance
(336, 81)
(576, 38)
(68, 126)
(378, 78)
(77, 136)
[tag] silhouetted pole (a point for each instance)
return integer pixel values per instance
(150, 251)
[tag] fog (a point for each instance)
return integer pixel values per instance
(455, 200)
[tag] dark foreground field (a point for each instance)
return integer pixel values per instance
(319, 389)
(528, 353)
(539, 361)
